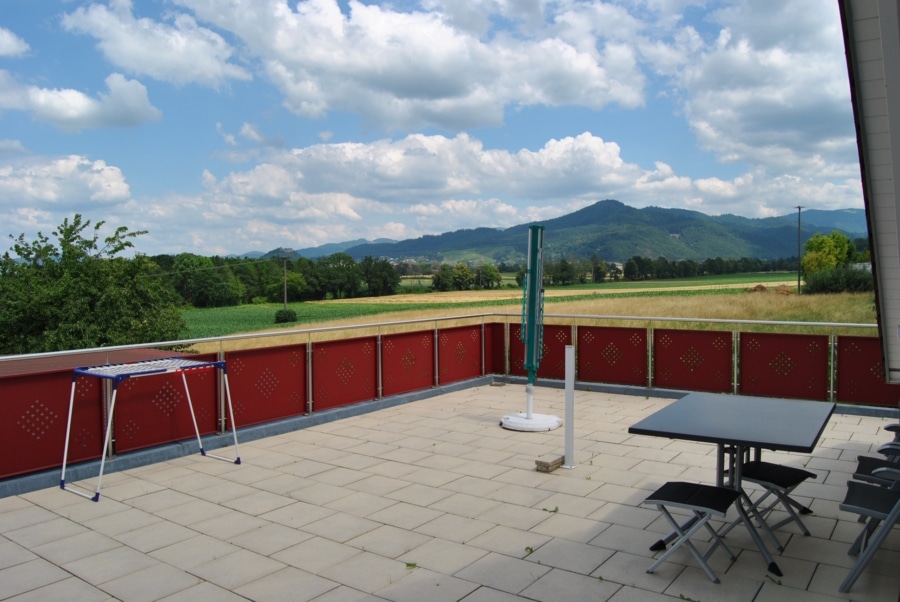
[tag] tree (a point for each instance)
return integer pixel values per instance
(341, 275)
(76, 293)
(290, 288)
(826, 251)
(563, 272)
(599, 269)
(463, 278)
(204, 284)
(631, 270)
(442, 280)
(488, 276)
(312, 274)
(380, 276)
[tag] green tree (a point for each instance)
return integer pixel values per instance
(380, 276)
(442, 279)
(290, 288)
(826, 251)
(341, 275)
(463, 278)
(79, 293)
(631, 270)
(488, 276)
(202, 283)
(312, 274)
(563, 272)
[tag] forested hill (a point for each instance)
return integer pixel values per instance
(616, 232)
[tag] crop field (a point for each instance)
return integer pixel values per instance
(764, 297)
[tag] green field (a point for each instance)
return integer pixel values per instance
(417, 283)
(214, 322)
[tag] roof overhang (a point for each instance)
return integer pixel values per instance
(872, 42)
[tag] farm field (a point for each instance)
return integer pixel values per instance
(748, 297)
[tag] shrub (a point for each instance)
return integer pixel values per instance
(842, 279)
(285, 315)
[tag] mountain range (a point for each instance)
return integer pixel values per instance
(614, 232)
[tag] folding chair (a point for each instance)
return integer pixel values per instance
(881, 506)
(703, 501)
(867, 470)
(778, 481)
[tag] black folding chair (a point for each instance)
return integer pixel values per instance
(778, 481)
(704, 501)
(880, 506)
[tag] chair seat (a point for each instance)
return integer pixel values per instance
(779, 475)
(703, 501)
(694, 496)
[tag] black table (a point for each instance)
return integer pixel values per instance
(737, 424)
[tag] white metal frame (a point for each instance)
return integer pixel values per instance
(116, 373)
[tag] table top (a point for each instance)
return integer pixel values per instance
(765, 422)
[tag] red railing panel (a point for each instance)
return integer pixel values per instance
(860, 373)
(152, 410)
(608, 354)
(33, 414)
(459, 353)
(267, 384)
(694, 360)
(784, 365)
(344, 372)
(407, 362)
(495, 348)
(553, 362)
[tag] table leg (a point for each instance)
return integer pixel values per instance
(739, 452)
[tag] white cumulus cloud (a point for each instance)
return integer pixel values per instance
(11, 44)
(180, 52)
(125, 103)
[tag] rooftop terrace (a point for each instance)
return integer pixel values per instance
(430, 500)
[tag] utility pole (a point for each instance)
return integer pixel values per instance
(799, 208)
(284, 268)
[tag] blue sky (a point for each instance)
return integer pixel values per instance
(232, 126)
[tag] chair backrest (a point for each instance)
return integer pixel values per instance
(881, 506)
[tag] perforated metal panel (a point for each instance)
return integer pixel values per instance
(459, 353)
(692, 360)
(612, 355)
(267, 384)
(33, 412)
(344, 372)
(407, 362)
(553, 364)
(860, 373)
(495, 348)
(784, 365)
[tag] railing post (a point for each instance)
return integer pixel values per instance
(220, 391)
(437, 358)
(650, 355)
(309, 374)
(832, 344)
(506, 347)
(482, 347)
(379, 392)
(735, 347)
(575, 346)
